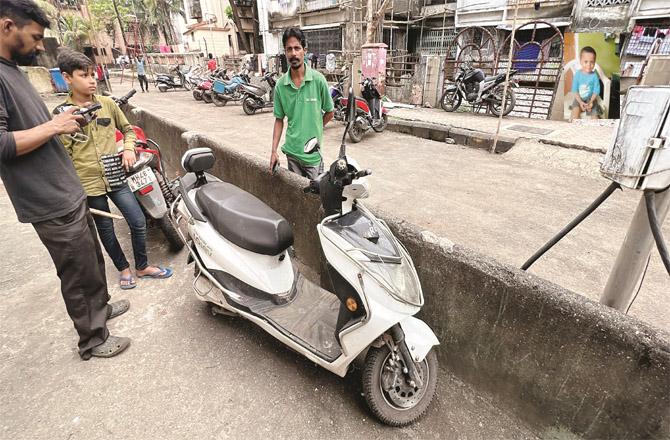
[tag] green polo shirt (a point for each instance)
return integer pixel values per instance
(303, 107)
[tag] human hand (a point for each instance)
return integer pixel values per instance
(583, 106)
(274, 158)
(589, 106)
(128, 159)
(67, 122)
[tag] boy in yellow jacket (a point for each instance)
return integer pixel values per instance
(102, 171)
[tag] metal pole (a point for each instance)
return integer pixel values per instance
(628, 272)
(509, 67)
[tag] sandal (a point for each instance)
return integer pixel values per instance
(130, 280)
(111, 347)
(118, 308)
(165, 272)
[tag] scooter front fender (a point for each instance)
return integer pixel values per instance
(418, 337)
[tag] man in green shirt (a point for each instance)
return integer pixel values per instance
(302, 96)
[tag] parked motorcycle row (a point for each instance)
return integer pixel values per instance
(243, 258)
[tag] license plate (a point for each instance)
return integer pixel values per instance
(140, 179)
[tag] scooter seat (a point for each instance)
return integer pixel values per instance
(243, 219)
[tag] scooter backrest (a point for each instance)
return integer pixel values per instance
(197, 160)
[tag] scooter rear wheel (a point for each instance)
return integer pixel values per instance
(207, 98)
(388, 395)
(171, 234)
(162, 88)
(197, 95)
(382, 124)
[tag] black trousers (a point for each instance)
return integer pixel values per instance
(74, 248)
(144, 83)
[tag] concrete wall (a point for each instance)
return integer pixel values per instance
(561, 361)
(40, 78)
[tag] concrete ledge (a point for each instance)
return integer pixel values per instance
(562, 361)
(462, 136)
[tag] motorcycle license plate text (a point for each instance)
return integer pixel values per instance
(140, 179)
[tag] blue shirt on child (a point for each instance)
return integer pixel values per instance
(586, 84)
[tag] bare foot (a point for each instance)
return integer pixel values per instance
(148, 271)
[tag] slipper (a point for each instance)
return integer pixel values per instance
(165, 272)
(131, 282)
(111, 347)
(118, 308)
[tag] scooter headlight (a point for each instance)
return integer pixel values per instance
(400, 279)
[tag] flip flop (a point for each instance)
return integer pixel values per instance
(118, 308)
(111, 347)
(165, 272)
(131, 282)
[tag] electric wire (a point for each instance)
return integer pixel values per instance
(573, 224)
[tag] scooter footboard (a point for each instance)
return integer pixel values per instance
(418, 337)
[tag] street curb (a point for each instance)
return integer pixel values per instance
(441, 132)
(472, 138)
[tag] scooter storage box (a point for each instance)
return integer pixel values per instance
(219, 87)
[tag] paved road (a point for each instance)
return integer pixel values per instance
(187, 374)
(504, 206)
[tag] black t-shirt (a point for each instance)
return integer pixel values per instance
(42, 184)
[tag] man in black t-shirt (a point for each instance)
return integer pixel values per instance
(42, 184)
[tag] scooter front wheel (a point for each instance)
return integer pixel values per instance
(218, 101)
(356, 132)
(388, 395)
(248, 106)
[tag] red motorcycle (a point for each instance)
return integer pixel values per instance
(370, 111)
(148, 180)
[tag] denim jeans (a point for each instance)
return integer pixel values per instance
(125, 200)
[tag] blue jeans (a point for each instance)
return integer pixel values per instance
(125, 200)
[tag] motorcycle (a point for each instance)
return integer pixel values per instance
(224, 91)
(370, 111)
(478, 89)
(242, 250)
(203, 89)
(337, 93)
(165, 82)
(148, 180)
(256, 97)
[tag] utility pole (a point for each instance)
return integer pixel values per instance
(630, 267)
(507, 72)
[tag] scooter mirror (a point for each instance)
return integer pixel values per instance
(312, 146)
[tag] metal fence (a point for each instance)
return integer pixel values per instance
(400, 68)
(537, 55)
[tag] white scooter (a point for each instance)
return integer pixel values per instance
(241, 248)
